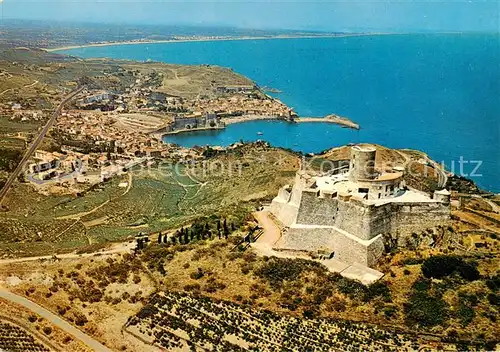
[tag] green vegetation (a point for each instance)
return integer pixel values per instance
(160, 198)
(425, 306)
(277, 270)
(443, 266)
(11, 146)
(449, 289)
(9, 158)
(305, 284)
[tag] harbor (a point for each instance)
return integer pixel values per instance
(221, 123)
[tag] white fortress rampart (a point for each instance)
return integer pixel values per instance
(348, 213)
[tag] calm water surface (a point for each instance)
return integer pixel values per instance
(436, 93)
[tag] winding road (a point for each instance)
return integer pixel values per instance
(36, 143)
(54, 319)
(442, 176)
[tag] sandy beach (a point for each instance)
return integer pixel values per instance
(211, 40)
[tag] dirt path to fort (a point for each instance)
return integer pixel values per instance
(493, 205)
(272, 232)
(124, 247)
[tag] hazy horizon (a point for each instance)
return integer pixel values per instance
(327, 16)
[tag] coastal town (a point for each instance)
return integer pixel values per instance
(123, 111)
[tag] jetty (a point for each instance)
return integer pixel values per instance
(332, 118)
(223, 122)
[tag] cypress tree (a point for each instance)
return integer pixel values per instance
(226, 230)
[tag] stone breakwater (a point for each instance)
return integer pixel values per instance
(335, 119)
(339, 120)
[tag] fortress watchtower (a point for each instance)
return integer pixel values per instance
(443, 196)
(362, 165)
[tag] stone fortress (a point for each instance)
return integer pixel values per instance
(346, 213)
(195, 121)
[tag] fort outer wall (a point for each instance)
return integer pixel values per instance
(347, 248)
(366, 221)
(286, 205)
(283, 208)
(407, 217)
(350, 249)
(317, 210)
(349, 227)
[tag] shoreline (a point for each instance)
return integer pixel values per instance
(333, 119)
(132, 42)
(249, 118)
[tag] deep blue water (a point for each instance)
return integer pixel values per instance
(436, 93)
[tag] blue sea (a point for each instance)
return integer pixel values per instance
(439, 93)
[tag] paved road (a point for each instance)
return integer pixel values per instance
(36, 143)
(54, 319)
(441, 173)
(442, 176)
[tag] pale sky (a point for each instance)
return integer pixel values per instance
(333, 15)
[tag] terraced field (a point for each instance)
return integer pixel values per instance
(15, 339)
(159, 198)
(172, 320)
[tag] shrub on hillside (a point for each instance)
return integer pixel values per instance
(494, 299)
(378, 289)
(198, 274)
(469, 271)
(465, 313)
(493, 282)
(425, 309)
(441, 266)
(425, 306)
(278, 270)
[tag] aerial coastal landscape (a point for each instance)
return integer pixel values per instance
(200, 177)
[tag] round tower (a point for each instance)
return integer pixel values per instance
(443, 196)
(362, 164)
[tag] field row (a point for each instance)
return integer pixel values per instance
(16, 339)
(171, 319)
